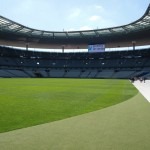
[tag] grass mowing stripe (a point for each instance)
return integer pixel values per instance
(28, 102)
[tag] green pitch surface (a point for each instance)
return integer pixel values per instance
(29, 102)
(125, 126)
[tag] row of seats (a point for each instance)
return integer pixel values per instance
(72, 73)
(108, 63)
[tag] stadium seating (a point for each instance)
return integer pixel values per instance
(117, 64)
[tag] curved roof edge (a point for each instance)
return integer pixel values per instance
(9, 26)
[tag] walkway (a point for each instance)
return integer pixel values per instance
(144, 88)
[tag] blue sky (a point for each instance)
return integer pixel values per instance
(68, 15)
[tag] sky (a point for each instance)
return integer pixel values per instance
(73, 15)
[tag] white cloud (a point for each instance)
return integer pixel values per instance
(85, 28)
(79, 29)
(71, 29)
(94, 18)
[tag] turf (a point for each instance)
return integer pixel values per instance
(124, 126)
(28, 102)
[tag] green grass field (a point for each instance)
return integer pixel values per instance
(28, 102)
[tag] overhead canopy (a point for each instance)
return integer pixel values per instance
(10, 30)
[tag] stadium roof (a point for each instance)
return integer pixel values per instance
(10, 30)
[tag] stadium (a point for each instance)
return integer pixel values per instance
(72, 100)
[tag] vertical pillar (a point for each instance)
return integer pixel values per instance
(133, 44)
(27, 46)
(62, 49)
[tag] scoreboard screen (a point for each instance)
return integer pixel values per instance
(96, 48)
